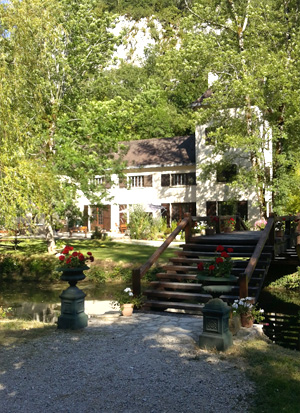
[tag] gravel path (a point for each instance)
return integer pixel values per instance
(147, 363)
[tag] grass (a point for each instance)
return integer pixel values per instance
(18, 331)
(119, 252)
(276, 373)
(102, 250)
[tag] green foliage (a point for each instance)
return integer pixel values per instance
(137, 9)
(4, 311)
(98, 234)
(30, 268)
(139, 223)
(288, 282)
(126, 297)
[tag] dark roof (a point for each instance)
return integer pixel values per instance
(179, 150)
(199, 101)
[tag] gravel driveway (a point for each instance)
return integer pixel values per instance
(147, 363)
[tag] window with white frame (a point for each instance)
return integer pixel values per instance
(182, 179)
(140, 181)
(136, 181)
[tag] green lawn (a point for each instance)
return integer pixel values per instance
(120, 253)
(276, 373)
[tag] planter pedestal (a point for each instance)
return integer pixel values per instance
(72, 315)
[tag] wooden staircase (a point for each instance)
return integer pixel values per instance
(177, 285)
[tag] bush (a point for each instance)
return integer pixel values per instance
(101, 272)
(32, 268)
(288, 282)
(140, 223)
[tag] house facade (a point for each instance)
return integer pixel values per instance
(164, 175)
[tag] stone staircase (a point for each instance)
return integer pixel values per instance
(177, 287)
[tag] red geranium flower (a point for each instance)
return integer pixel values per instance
(229, 250)
(75, 254)
(61, 257)
(220, 248)
(69, 260)
(91, 258)
(81, 257)
(89, 253)
(224, 254)
(211, 267)
(200, 266)
(219, 260)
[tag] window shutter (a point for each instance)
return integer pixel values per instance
(147, 180)
(165, 180)
(85, 215)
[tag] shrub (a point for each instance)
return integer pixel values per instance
(289, 282)
(140, 223)
(32, 268)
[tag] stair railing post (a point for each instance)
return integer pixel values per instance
(272, 234)
(238, 222)
(136, 281)
(188, 228)
(218, 226)
(243, 285)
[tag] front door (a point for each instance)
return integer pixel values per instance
(101, 217)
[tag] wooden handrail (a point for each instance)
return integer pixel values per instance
(245, 277)
(139, 272)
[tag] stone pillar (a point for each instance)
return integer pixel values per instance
(216, 333)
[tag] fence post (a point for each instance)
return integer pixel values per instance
(188, 227)
(136, 281)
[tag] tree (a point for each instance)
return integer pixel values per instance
(52, 53)
(250, 46)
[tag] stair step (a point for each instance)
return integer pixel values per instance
(241, 263)
(186, 307)
(176, 285)
(176, 276)
(264, 255)
(178, 295)
(236, 248)
(225, 239)
(195, 253)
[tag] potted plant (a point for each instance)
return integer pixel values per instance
(126, 301)
(211, 225)
(72, 264)
(279, 228)
(229, 225)
(219, 266)
(260, 224)
(198, 228)
(248, 311)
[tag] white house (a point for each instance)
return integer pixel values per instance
(163, 175)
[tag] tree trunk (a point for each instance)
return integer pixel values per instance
(50, 238)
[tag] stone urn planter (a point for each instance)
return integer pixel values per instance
(72, 300)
